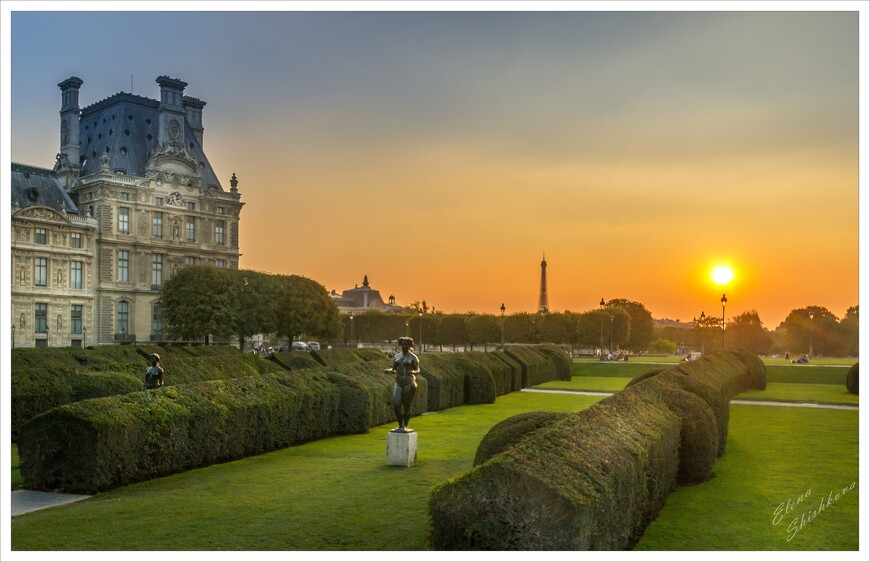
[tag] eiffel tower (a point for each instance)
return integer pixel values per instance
(543, 300)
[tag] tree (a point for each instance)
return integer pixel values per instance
(822, 331)
(617, 326)
(303, 307)
(199, 301)
(849, 332)
(451, 330)
(483, 328)
(254, 303)
(746, 331)
(557, 327)
(641, 323)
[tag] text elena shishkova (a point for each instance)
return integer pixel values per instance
(809, 514)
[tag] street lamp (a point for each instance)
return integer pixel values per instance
(420, 313)
(723, 300)
(811, 333)
(611, 332)
(13, 334)
(84, 336)
(700, 322)
(351, 327)
(601, 331)
(407, 327)
(502, 326)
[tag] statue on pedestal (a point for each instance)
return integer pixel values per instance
(154, 373)
(406, 367)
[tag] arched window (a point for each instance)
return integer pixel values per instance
(123, 317)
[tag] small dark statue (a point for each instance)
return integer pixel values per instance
(154, 373)
(406, 367)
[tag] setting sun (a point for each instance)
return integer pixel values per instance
(722, 274)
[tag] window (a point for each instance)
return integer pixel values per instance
(42, 343)
(191, 206)
(123, 220)
(75, 240)
(123, 266)
(156, 319)
(40, 272)
(40, 317)
(157, 225)
(75, 274)
(157, 269)
(220, 263)
(123, 317)
(75, 319)
(158, 201)
(190, 260)
(41, 236)
(124, 196)
(219, 232)
(190, 229)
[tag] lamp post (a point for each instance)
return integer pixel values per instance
(407, 327)
(723, 300)
(700, 322)
(420, 314)
(502, 326)
(611, 333)
(351, 327)
(47, 339)
(13, 335)
(811, 334)
(601, 331)
(84, 336)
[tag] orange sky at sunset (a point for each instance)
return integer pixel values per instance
(442, 153)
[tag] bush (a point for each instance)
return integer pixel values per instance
(536, 367)
(501, 372)
(516, 370)
(699, 432)
(591, 482)
(662, 346)
(564, 365)
(478, 383)
(371, 354)
(294, 360)
(643, 376)
(330, 357)
(98, 444)
(718, 405)
(446, 381)
(510, 431)
(852, 379)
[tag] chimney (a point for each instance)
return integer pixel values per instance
(171, 132)
(69, 120)
(193, 112)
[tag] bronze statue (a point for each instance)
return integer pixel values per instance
(154, 373)
(406, 367)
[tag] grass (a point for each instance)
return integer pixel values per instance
(774, 455)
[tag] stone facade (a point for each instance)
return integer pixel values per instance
(131, 199)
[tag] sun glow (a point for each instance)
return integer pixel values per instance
(722, 274)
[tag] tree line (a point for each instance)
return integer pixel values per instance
(203, 301)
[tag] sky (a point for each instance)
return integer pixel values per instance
(443, 153)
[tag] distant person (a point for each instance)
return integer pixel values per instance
(154, 373)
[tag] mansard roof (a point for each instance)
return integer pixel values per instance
(126, 126)
(38, 187)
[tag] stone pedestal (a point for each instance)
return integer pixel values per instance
(401, 449)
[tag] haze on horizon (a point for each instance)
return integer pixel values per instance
(442, 153)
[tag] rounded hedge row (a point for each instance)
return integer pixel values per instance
(852, 379)
(294, 360)
(595, 479)
(510, 431)
(643, 376)
(592, 481)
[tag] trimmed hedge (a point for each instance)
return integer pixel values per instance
(329, 357)
(852, 379)
(537, 368)
(564, 365)
(371, 354)
(591, 482)
(446, 381)
(643, 376)
(516, 370)
(294, 360)
(596, 478)
(502, 373)
(510, 431)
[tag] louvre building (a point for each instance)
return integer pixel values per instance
(131, 199)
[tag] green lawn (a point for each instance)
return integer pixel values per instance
(774, 455)
(338, 494)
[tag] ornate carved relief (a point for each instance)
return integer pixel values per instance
(42, 213)
(140, 267)
(143, 222)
